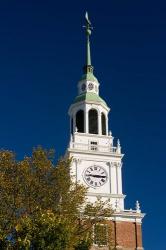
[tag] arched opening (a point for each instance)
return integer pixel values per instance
(93, 121)
(103, 123)
(80, 121)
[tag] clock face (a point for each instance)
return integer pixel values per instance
(83, 87)
(90, 86)
(95, 176)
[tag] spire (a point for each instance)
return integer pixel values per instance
(88, 68)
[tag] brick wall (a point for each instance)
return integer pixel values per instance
(124, 236)
(139, 235)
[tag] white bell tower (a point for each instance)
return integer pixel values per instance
(97, 162)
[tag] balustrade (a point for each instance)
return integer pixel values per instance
(93, 147)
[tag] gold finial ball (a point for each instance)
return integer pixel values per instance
(88, 32)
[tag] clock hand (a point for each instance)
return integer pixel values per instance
(97, 176)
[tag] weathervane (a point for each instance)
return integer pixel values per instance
(88, 25)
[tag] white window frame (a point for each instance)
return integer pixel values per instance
(100, 224)
(93, 145)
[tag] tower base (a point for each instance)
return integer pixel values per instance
(126, 231)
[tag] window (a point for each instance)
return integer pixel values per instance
(103, 123)
(93, 145)
(101, 234)
(93, 121)
(80, 121)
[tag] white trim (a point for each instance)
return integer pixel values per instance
(74, 150)
(117, 188)
(106, 195)
(95, 135)
(126, 217)
(77, 104)
(110, 175)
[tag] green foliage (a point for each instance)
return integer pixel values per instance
(84, 245)
(40, 205)
(101, 234)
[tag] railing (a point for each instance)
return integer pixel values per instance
(90, 147)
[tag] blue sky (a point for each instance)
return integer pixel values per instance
(42, 51)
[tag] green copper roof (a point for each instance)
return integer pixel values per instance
(89, 76)
(89, 96)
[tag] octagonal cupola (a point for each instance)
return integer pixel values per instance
(89, 112)
(88, 84)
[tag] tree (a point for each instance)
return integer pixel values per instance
(41, 208)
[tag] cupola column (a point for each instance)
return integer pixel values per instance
(106, 125)
(71, 125)
(86, 120)
(74, 123)
(99, 123)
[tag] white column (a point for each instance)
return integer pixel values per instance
(74, 123)
(110, 182)
(99, 123)
(70, 125)
(117, 190)
(119, 178)
(73, 170)
(106, 120)
(86, 120)
(113, 179)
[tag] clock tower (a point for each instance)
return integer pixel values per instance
(97, 159)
